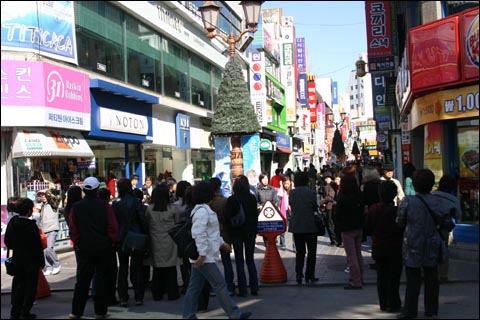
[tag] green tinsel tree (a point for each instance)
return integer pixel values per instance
(337, 145)
(234, 113)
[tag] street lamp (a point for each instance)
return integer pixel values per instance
(211, 17)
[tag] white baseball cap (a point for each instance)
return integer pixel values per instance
(91, 183)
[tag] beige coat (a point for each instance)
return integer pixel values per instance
(163, 249)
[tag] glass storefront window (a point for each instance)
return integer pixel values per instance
(201, 89)
(100, 38)
(143, 56)
(176, 71)
(216, 80)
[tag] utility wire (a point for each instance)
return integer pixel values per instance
(329, 25)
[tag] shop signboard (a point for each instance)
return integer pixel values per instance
(469, 44)
(445, 105)
(378, 28)
(301, 58)
(44, 27)
(45, 95)
(287, 72)
(434, 54)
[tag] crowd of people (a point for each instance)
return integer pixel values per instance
(356, 201)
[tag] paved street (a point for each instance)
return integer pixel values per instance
(327, 299)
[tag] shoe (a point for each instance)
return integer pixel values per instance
(299, 279)
(311, 280)
(433, 316)
(202, 310)
(245, 315)
(138, 302)
(123, 303)
(347, 270)
(404, 316)
(254, 293)
(242, 294)
(340, 245)
(283, 248)
(56, 270)
(101, 316)
(350, 287)
(29, 316)
(47, 272)
(73, 316)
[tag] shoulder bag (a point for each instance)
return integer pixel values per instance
(135, 241)
(10, 264)
(443, 248)
(319, 223)
(181, 234)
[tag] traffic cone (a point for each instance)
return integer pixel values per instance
(273, 270)
(43, 288)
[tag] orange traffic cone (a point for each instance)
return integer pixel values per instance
(273, 270)
(43, 288)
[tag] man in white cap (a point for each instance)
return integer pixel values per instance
(93, 230)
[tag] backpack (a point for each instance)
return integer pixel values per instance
(238, 220)
(181, 234)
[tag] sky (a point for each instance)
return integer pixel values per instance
(334, 32)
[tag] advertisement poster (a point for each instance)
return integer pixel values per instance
(222, 164)
(47, 27)
(432, 151)
(251, 159)
(468, 152)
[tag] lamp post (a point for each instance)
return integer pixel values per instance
(211, 17)
(234, 114)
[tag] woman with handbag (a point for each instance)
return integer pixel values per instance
(130, 215)
(161, 215)
(303, 203)
(421, 243)
(22, 236)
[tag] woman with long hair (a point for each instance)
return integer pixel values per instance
(349, 214)
(161, 215)
(244, 236)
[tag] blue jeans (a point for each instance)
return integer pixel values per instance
(248, 241)
(282, 240)
(208, 272)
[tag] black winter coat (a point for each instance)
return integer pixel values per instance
(22, 236)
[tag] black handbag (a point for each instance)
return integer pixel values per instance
(10, 264)
(135, 241)
(319, 223)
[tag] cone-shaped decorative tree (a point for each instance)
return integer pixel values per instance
(337, 145)
(234, 114)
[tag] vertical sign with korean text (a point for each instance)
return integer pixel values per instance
(378, 28)
(301, 55)
(258, 91)
(312, 101)
(287, 75)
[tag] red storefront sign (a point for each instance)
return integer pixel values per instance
(444, 53)
(378, 28)
(434, 54)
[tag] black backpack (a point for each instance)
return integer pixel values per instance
(238, 220)
(181, 234)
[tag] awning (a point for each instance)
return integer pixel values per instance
(48, 142)
(284, 150)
